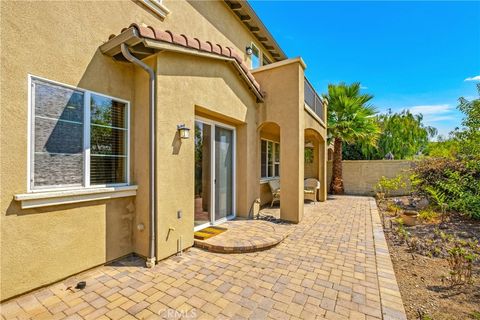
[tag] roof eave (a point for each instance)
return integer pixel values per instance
(143, 47)
(243, 9)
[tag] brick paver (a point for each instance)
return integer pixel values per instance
(334, 265)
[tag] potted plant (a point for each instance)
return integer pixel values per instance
(410, 217)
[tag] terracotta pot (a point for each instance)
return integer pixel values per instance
(409, 217)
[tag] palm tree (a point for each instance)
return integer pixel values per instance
(350, 119)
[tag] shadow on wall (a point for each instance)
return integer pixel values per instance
(176, 143)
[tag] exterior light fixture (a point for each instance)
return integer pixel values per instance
(249, 50)
(183, 131)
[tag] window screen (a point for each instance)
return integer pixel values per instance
(108, 135)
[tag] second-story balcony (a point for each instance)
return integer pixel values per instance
(313, 100)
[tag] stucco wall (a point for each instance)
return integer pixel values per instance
(361, 176)
(59, 41)
(190, 86)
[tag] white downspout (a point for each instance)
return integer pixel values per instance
(151, 260)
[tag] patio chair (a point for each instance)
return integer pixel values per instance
(310, 187)
(275, 189)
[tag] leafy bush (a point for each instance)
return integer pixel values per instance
(392, 207)
(387, 186)
(460, 262)
(462, 254)
(452, 183)
(428, 215)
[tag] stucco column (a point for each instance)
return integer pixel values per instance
(284, 105)
(322, 169)
(247, 173)
(291, 173)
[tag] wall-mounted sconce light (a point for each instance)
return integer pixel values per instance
(183, 131)
(249, 50)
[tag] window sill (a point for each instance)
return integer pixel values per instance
(157, 7)
(53, 198)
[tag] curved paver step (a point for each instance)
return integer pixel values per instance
(244, 236)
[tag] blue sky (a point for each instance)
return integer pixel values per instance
(409, 55)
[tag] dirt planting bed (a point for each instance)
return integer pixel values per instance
(421, 263)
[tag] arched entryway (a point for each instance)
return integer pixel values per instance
(315, 154)
(269, 147)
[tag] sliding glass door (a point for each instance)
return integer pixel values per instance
(214, 172)
(203, 177)
(223, 173)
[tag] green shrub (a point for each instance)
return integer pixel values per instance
(452, 183)
(387, 186)
(392, 207)
(428, 215)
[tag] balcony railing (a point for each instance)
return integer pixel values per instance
(313, 100)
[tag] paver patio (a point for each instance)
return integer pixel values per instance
(334, 265)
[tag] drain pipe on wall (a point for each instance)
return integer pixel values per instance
(152, 156)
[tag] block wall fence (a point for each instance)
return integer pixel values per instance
(361, 176)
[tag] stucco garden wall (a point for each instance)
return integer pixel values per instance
(361, 176)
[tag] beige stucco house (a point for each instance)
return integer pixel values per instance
(96, 100)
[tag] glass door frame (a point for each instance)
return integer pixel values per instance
(214, 124)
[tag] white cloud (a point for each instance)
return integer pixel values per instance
(363, 87)
(475, 78)
(440, 118)
(429, 110)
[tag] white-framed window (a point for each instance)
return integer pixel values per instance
(255, 57)
(77, 138)
(270, 159)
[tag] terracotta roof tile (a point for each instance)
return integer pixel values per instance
(244, 67)
(161, 35)
(227, 52)
(179, 39)
(216, 48)
(193, 43)
(205, 46)
(236, 57)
